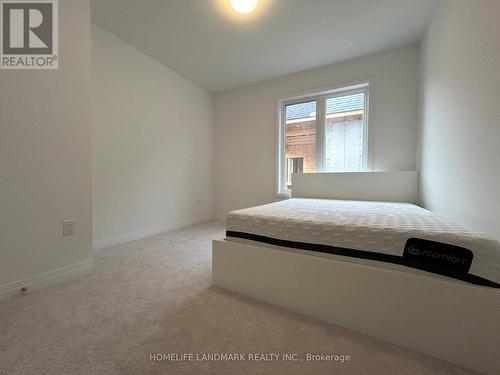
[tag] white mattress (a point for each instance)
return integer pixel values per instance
(379, 227)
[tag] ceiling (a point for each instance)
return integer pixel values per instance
(218, 49)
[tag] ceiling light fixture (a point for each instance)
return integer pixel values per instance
(244, 6)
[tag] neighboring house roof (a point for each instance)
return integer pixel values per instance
(333, 105)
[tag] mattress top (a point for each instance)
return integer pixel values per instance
(362, 215)
(383, 227)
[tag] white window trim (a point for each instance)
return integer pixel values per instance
(323, 93)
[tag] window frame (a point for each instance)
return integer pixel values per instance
(321, 96)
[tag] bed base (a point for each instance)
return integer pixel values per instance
(449, 320)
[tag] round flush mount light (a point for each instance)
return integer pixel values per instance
(244, 6)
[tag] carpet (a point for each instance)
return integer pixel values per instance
(148, 307)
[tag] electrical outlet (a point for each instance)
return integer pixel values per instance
(198, 202)
(69, 228)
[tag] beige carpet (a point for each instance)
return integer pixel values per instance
(154, 296)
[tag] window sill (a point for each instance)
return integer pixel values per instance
(283, 195)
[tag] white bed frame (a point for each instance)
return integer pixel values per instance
(361, 186)
(447, 319)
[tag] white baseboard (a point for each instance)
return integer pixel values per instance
(46, 278)
(221, 217)
(127, 237)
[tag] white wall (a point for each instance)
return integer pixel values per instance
(151, 144)
(460, 131)
(245, 123)
(45, 172)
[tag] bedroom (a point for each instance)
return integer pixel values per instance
(126, 170)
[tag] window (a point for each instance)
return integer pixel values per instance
(323, 132)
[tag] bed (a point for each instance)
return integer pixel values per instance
(371, 261)
(401, 234)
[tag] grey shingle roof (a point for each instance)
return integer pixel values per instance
(334, 105)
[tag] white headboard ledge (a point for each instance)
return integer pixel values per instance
(365, 186)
